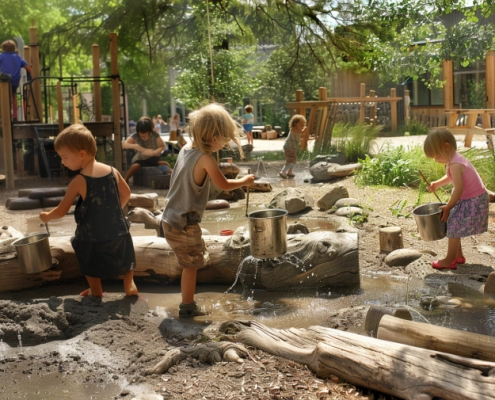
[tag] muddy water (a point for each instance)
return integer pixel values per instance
(297, 308)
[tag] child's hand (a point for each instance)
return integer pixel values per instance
(248, 180)
(445, 213)
(44, 217)
(431, 188)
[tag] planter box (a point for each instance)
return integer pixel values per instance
(271, 135)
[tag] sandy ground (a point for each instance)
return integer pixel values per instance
(84, 348)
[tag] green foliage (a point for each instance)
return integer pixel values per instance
(414, 127)
(484, 162)
(397, 209)
(477, 94)
(352, 140)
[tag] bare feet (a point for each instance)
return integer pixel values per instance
(87, 292)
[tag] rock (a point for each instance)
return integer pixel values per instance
(402, 257)
(329, 199)
(261, 186)
(148, 396)
(339, 171)
(319, 171)
(232, 195)
(229, 170)
(297, 227)
(217, 204)
(348, 202)
(489, 289)
(349, 211)
(293, 200)
(338, 158)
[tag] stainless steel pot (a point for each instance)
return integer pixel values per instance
(427, 219)
(34, 253)
(268, 231)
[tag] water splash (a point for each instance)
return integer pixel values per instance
(261, 164)
(249, 260)
(19, 339)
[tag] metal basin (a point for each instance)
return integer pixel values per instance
(427, 219)
(268, 231)
(34, 253)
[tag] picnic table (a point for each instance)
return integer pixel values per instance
(470, 128)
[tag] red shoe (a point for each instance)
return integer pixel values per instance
(435, 264)
(460, 260)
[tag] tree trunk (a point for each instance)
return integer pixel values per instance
(403, 371)
(427, 336)
(317, 259)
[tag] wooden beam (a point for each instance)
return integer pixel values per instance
(60, 106)
(490, 79)
(117, 143)
(448, 86)
(8, 159)
(324, 103)
(362, 94)
(96, 85)
(393, 111)
(35, 60)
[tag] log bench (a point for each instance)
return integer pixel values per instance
(152, 177)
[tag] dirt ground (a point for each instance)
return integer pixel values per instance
(84, 348)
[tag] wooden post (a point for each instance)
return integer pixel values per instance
(35, 60)
(373, 109)
(448, 86)
(407, 104)
(362, 93)
(375, 314)
(490, 79)
(97, 85)
(390, 238)
(322, 95)
(393, 111)
(117, 143)
(299, 98)
(60, 106)
(8, 159)
(438, 338)
(27, 57)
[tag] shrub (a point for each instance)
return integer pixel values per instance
(414, 127)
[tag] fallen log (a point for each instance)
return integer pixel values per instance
(314, 260)
(427, 336)
(403, 371)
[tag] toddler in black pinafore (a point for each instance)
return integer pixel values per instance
(102, 243)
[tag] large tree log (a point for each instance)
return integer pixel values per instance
(314, 260)
(427, 336)
(399, 370)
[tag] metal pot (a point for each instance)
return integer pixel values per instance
(427, 219)
(34, 253)
(268, 231)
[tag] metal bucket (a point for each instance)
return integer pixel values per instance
(427, 219)
(268, 231)
(34, 253)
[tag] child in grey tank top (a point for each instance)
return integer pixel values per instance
(211, 128)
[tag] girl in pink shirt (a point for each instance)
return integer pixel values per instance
(466, 213)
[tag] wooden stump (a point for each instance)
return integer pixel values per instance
(375, 314)
(391, 238)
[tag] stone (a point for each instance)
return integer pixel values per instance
(328, 200)
(319, 171)
(349, 211)
(217, 204)
(338, 158)
(347, 202)
(293, 200)
(402, 257)
(489, 289)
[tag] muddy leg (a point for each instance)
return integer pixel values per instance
(94, 286)
(129, 285)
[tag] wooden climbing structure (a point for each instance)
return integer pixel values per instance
(39, 123)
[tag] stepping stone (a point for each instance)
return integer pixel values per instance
(348, 202)
(217, 204)
(349, 211)
(402, 257)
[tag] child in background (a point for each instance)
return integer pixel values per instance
(102, 242)
(466, 213)
(247, 122)
(11, 63)
(210, 128)
(174, 126)
(297, 128)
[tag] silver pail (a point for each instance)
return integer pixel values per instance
(268, 231)
(428, 219)
(34, 253)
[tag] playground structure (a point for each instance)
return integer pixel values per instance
(325, 112)
(37, 120)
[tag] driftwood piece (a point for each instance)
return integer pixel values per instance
(212, 352)
(147, 200)
(427, 336)
(403, 371)
(325, 258)
(390, 238)
(375, 314)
